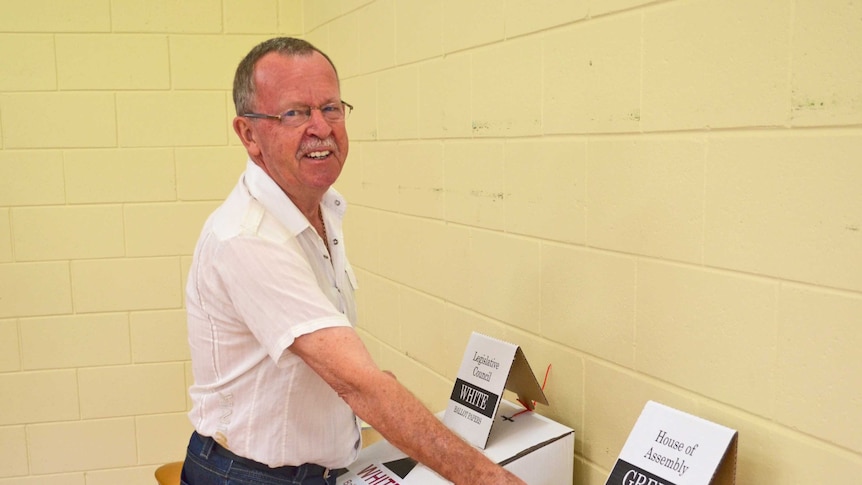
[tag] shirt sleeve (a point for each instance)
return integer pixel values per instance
(274, 291)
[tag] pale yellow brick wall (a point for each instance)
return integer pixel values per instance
(660, 199)
(115, 144)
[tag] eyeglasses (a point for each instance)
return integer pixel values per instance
(333, 112)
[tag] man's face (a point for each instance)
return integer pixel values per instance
(303, 160)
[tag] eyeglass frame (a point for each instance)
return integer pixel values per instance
(305, 111)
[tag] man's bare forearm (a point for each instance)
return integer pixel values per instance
(407, 424)
(340, 358)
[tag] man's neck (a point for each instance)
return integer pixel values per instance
(308, 204)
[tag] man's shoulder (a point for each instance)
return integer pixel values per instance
(241, 215)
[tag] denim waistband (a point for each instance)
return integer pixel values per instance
(204, 446)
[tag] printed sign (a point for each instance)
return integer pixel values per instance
(489, 367)
(669, 447)
(390, 473)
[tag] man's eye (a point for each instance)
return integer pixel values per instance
(331, 108)
(293, 113)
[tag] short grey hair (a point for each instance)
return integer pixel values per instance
(243, 81)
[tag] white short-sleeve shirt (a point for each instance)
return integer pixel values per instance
(261, 277)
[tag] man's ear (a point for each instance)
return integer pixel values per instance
(242, 127)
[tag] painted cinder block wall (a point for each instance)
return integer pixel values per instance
(660, 199)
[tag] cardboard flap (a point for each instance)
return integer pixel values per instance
(667, 445)
(522, 381)
(726, 472)
(489, 367)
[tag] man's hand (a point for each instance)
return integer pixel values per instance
(341, 359)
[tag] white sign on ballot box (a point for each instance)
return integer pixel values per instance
(669, 447)
(489, 367)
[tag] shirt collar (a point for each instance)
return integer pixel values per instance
(276, 202)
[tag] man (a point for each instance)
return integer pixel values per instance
(280, 374)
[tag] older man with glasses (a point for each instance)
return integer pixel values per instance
(280, 375)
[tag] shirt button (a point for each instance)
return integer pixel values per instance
(335, 241)
(337, 202)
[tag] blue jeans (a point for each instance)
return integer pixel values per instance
(207, 463)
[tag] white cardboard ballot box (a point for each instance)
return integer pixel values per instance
(537, 449)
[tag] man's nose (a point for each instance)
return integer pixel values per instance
(317, 124)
